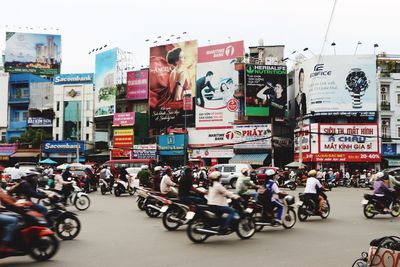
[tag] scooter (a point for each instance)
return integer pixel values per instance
(373, 206)
(105, 186)
(307, 208)
(32, 237)
(155, 203)
(121, 187)
(291, 184)
(78, 198)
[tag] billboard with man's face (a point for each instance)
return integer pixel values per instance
(266, 90)
(172, 84)
(33, 53)
(336, 85)
(216, 82)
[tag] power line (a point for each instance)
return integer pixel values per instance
(327, 29)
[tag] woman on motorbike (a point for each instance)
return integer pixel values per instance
(382, 192)
(243, 184)
(272, 190)
(216, 199)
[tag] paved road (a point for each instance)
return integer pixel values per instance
(115, 233)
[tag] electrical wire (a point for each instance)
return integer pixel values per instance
(327, 29)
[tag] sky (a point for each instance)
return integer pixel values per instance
(88, 24)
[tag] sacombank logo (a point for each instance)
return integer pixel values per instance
(229, 51)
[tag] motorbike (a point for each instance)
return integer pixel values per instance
(174, 215)
(142, 194)
(205, 222)
(105, 186)
(32, 237)
(290, 183)
(372, 206)
(78, 198)
(307, 208)
(288, 218)
(121, 187)
(154, 204)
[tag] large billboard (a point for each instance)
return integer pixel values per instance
(34, 53)
(215, 85)
(172, 82)
(137, 87)
(105, 79)
(336, 85)
(266, 90)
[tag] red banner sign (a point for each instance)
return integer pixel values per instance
(120, 153)
(221, 51)
(127, 118)
(340, 157)
(123, 141)
(137, 85)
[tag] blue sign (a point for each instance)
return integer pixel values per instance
(63, 146)
(39, 122)
(74, 78)
(171, 145)
(389, 150)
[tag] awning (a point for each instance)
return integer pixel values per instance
(254, 159)
(393, 162)
(25, 155)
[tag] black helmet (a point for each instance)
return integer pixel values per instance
(16, 165)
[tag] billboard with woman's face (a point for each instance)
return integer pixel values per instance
(172, 83)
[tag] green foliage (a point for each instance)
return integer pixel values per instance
(33, 136)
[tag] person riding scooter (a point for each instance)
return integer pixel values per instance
(167, 185)
(243, 184)
(187, 193)
(270, 200)
(382, 192)
(311, 192)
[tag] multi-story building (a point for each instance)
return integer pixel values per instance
(19, 94)
(389, 108)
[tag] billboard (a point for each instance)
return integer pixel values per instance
(63, 146)
(127, 118)
(216, 83)
(265, 87)
(172, 79)
(4, 77)
(389, 150)
(34, 53)
(137, 85)
(124, 138)
(172, 144)
(144, 151)
(39, 122)
(336, 85)
(105, 80)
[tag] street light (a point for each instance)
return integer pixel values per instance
(375, 47)
(358, 44)
(187, 105)
(334, 47)
(309, 50)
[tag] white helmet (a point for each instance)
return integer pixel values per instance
(380, 175)
(144, 167)
(270, 172)
(215, 175)
(244, 170)
(158, 168)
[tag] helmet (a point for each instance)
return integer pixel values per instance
(244, 170)
(144, 167)
(312, 173)
(168, 169)
(158, 168)
(16, 165)
(270, 172)
(286, 168)
(380, 175)
(215, 175)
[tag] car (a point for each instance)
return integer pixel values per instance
(230, 172)
(260, 172)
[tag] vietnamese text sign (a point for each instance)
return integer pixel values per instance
(127, 118)
(137, 85)
(123, 132)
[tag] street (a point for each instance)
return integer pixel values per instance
(115, 233)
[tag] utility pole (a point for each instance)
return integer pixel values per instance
(77, 133)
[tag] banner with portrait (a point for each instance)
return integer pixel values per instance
(216, 83)
(266, 94)
(172, 82)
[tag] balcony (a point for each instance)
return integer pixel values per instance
(385, 105)
(386, 139)
(17, 99)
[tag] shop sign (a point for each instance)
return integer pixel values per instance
(172, 144)
(302, 136)
(213, 153)
(8, 148)
(39, 122)
(123, 132)
(389, 150)
(127, 118)
(144, 151)
(120, 153)
(62, 146)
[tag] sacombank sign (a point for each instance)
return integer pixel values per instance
(73, 78)
(63, 146)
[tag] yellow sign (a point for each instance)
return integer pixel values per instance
(123, 132)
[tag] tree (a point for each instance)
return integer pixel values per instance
(33, 136)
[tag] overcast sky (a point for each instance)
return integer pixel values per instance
(87, 24)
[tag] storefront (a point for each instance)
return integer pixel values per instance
(171, 149)
(64, 151)
(6, 150)
(390, 157)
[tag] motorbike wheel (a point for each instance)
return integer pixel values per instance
(292, 186)
(68, 227)
(117, 193)
(326, 213)
(289, 220)
(152, 213)
(302, 213)
(395, 209)
(232, 183)
(131, 192)
(103, 190)
(169, 224)
(258, 218)
(246, 227)
(192, 232)
(368, 211)
(140, 203)
(82, 203)
(44, 248)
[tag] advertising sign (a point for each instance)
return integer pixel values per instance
(39, 122)
(63, 146)
(4, 77)
(389, 150)
(73, 78)
(216, 82)
(120, 153)
(242, 136)
(33, 53)
(137, 85)
(172, 144)
(7, 149)
(265, 87)
(172, 76)
(336, 85)
(122, 132)
(213, 153)
(145, 151)
(123, 138)
(105, 80)
(127, 118)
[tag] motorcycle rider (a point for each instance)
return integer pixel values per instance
(243, 183)
(272, 190)
(382, 192)
(156, 178)
(144, 176)
(90, 179)
(186, 188)
(16, 173)
(313, 185)
(123, 176)
(167, 185)
(67, 184)
(216, 199)
(106, 174)
(202, 176)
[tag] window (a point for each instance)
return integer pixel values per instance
(398, 131)
(398, 98)
(87, 104)
(58, 105)
(383, 96)
(87, 122)
(87, 137)
(24, 115)
(3, 136)
(56, 136)
(57, 122)
(25, 92)
(16, 116)
(229, 168)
